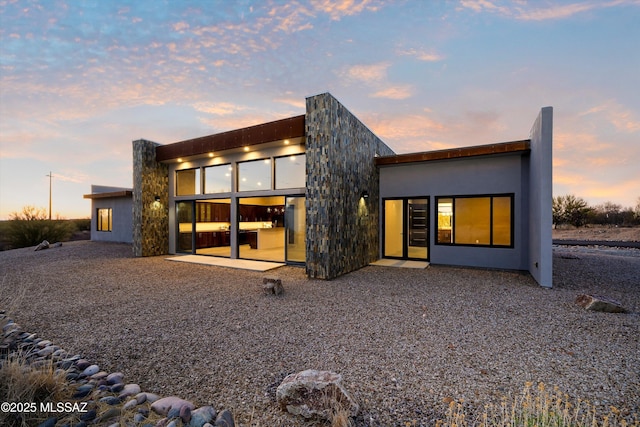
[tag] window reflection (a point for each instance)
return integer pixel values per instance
(217, 179)
(291, 171)
(254, 175)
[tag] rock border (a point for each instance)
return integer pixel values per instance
(101, 397)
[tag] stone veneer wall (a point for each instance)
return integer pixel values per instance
(150, 218)
(342, 229)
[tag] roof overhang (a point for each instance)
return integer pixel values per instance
(522, 147)
(109, 194)
(293, 127)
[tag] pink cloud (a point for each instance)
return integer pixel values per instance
(422, 55)
(368, 73)
(394, 92)
(337, 9)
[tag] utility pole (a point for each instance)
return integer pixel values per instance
(50, 178)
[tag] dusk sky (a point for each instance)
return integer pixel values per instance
(81, 79)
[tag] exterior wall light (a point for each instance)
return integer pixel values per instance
(157, 199)
(365, 195)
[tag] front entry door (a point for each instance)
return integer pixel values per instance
(406, 228)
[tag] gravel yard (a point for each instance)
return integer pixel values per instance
(404, 340)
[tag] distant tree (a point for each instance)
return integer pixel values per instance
(608, 213)
(570, 209)
(31, 226)
(628, 218)
(636, 210)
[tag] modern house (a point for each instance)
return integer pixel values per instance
(323, 191)
(111, 213)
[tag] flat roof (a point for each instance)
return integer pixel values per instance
(293, 127)
(523, 146)
(109, 194)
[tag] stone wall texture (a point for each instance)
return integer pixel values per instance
(150, 217)
(342, 227)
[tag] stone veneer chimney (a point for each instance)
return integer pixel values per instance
(150, 201)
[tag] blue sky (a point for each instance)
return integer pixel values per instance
(81, 79)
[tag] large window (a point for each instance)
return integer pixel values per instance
(291, 171)
(471, 220)
(187, 182)
(105, 219)
(217, 179)
(254, 175)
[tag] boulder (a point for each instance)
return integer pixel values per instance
(41, 246)
(225, 419)
(600, 303)
(166, 404)
(316, 394)
(272, 285)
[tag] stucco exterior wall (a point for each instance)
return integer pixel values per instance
(463, 177)
(150, 217)
(540, 199)
(342, 227)
(121, 220)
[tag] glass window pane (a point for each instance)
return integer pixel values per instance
(295, 223)
(217, 179)
(254, 175)
(393, 227)
(445, 224)
(184, 222)
(502, 221)
(472, 220)
(187, 182)
(104, 219)
(291, 171)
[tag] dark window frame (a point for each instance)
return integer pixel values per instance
(511, 196)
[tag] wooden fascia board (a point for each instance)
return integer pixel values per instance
(457, 153)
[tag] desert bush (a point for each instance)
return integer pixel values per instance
(570, 209)
(83, 224)
(537, 406)
(31, 226)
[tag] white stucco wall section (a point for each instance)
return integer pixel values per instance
(540, 199)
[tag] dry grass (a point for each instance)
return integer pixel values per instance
(538, 407)
(20, 382)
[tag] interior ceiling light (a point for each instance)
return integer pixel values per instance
(210, 154)
(179, 159)
(286, 142)
(246, 148)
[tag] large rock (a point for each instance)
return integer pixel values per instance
(41, 246)
(600, 303)
(316, 394)
(166, 404)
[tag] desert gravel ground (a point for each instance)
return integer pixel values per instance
(404, 340)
